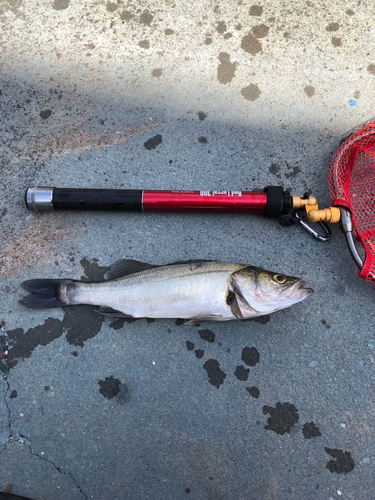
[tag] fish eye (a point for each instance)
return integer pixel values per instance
(279, 278)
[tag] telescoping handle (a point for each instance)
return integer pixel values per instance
(272, 202)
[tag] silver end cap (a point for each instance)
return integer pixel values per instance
(39, 199)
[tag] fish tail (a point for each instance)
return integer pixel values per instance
(46, 293)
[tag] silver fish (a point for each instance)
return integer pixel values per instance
(194, 290)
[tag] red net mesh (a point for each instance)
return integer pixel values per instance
(352, 185)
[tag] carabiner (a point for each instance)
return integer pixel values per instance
(312, 231)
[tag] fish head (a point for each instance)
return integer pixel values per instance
(265, 291)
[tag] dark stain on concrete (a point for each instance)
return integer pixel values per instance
(168, 32)
(250, 356)
(309, 91)
(126, 15)
(357, 94)
(274, 169)
(350, 12)
(333, 27)
(157, 72)
(260, 31)
(146, 17)
(81, 324)
(111, 7)
(207, 335)
(75, 353)
(262, 319)
(253, 391)
(310, 430)
(221, 27)
(23, 344)
(251, 92)
(208, 41)
(295, 171)
(251, 45)
(282, 418)
(47, 388)
(343, 462)
(13, 394)
(201, 115)
(241, 372)
(189, 345)
(109, 387)
(45, 114)
(92, 271)
(203, 140)
(227, 35)
(371, 68)
(144, 44)
(256, 10)
(238, 27)
(60, 4)
(119, 323)
(336, 42)
(187, 490)
(226, 69)
(286, 34)
(124, 395)
(215, 375)
(153, 142)
(199, 353)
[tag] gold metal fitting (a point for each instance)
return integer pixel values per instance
(331, 214)
(299, 202)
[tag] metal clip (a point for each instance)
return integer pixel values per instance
(309, 229)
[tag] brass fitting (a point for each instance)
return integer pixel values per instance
(331, 214)
(299, 202)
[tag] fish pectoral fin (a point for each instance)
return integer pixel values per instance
(124, 267)
(203, 319)
(233, 304)
(238, 299)
(112, 313)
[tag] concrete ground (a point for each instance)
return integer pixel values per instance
(233, 95)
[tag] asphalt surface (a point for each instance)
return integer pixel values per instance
(177, 95)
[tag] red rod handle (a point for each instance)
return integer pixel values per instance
(204, 201)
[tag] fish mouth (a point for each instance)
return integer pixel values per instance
(297, 286)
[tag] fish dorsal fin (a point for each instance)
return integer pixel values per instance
(124, 267)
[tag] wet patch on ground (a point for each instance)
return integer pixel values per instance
(251, 92)
(310, 430)
(342, 463)
(216, 376)
(207, 335)
(226, 69)
(109, 387)
(241, 373)
(250, 356)
(153, 142)
(253, 391)
(282, 418)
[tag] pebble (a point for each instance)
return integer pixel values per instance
(366, 461)
(313, 364)
(343, 426)
(339, 493)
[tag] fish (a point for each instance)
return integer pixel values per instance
(197, 291)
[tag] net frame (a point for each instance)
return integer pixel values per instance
(352, 185)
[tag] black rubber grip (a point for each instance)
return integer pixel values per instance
(274, 205)
(123, 200)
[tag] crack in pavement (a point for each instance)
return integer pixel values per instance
(58, 469)
(15, 436)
